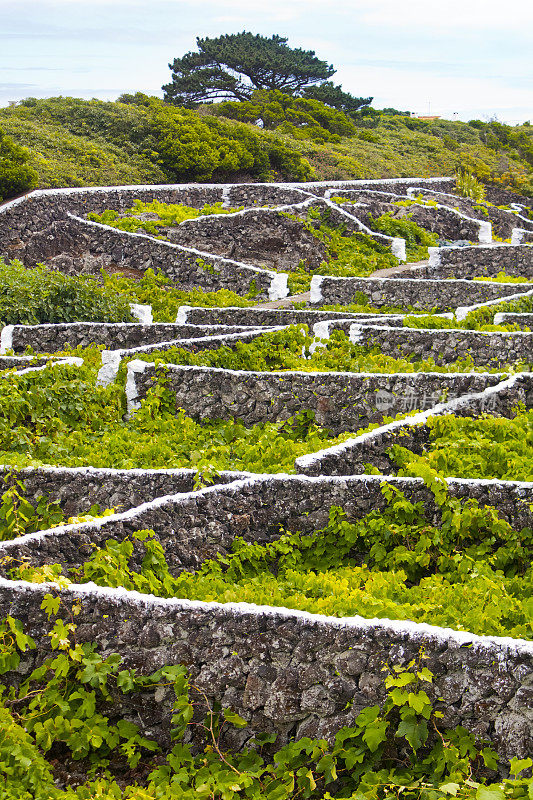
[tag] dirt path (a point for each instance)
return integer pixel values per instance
(391, 271)
(287, 301)
(306, 296)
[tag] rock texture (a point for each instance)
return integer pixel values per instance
(342, 401)
(288, 672)
(404, 292)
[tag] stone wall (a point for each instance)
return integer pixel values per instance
(523, 320)
(21, 218)
(407, 291)
(35, 212)
(261, 237)
(197, 526)
(12, 362)
(113, 335)
(487, 260)
(351, 457)
(502, 197)
(447, 345)
(394, 185)
(77, 246)
(521, 236)
(271, 194)
(503, 221)
(446, 222)
(210, 342)
(76, 489)
(264, 194)
(284, 671)
(342, 401)
(260, 316)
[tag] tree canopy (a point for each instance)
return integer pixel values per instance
(333, 96)
(232, 66)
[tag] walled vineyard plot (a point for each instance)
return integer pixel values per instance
(288, 671)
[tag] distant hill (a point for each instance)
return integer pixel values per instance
(74, 142)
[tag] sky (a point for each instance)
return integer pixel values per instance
(460, 59)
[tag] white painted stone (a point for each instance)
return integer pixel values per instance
(142, 313)
(110, 365)
(279, 286)
(316, 291)
(485, 232)
(134, 367)
(6, 339)
(398, 248)
(181, 317)
(517, 236)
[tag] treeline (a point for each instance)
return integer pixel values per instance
(272, 136)
(162, 143)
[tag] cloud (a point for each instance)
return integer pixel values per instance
(455, 14)
(14, 87)
(466, 55)
(414, 89)
(40, 68)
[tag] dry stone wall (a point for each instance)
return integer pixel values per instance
(77, 246)
(350, 457)
(197, 526)
(469, 262)
(49, 338)
(342, 401)
(503, 221)
(260, 316)
(404, 292)
(76, 489)
(262, 237)
(448, 223)
(447, 345)
(287, 672)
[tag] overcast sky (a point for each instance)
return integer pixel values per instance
(464, 58)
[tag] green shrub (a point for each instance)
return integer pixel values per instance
(159, 142)
(486, 447)
(170, 214)
(158, 291)
(417, 239)
(16, 176)
(295, 115)
(467, 185)
(33, 296)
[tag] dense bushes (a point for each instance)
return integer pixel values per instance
(162, 143)
(15, 174)
(297, 116)
(486, 447)
(75, 142)
(32, 296)
(59, 416)
(206, 148)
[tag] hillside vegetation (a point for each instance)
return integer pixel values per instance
(73, 142)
